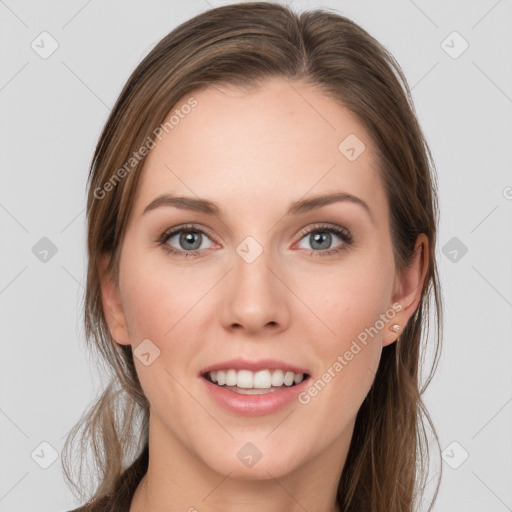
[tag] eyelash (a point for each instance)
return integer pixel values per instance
(342, 233)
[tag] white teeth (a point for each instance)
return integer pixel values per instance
(288, 378)
(278, 378)
(244, 379)
(231, 378)
(263, 379)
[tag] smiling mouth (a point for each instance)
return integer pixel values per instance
(261, 382)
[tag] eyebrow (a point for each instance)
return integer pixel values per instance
(297, 208)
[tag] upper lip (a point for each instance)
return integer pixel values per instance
(253, 365)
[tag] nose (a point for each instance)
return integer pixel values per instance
(255, 298)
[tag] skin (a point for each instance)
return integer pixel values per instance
(254, 153)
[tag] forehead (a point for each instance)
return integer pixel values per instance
(271, 145)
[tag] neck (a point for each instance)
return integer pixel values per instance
(178, 480)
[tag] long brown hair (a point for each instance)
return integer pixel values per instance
(244, 44)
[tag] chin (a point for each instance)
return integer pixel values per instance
(255, 461)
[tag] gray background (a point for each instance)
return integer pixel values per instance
(52, 112)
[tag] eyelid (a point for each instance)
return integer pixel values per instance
(340, 231)
(185, 227)
(303, 232)
(327, 226)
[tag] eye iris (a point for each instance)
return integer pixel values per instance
(187, 238)
(322, 237)
(191, 239)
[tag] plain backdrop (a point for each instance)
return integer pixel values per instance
(457, 57)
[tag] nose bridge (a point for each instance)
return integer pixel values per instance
(255, 294)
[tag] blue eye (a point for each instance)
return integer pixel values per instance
(191, 239)
(317, 236)
(188, 237)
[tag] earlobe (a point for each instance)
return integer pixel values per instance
(111, 301)
(408, 289)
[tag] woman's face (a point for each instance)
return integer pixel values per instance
(258, 284)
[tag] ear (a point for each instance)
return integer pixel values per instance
(112, 306)
(407, 289)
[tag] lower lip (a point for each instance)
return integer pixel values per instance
(254, 405)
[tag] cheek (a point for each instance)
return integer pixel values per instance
(350, 299)
(352, 304)
(158, 299)
(159, 306)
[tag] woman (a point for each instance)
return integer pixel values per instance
(261, 232)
